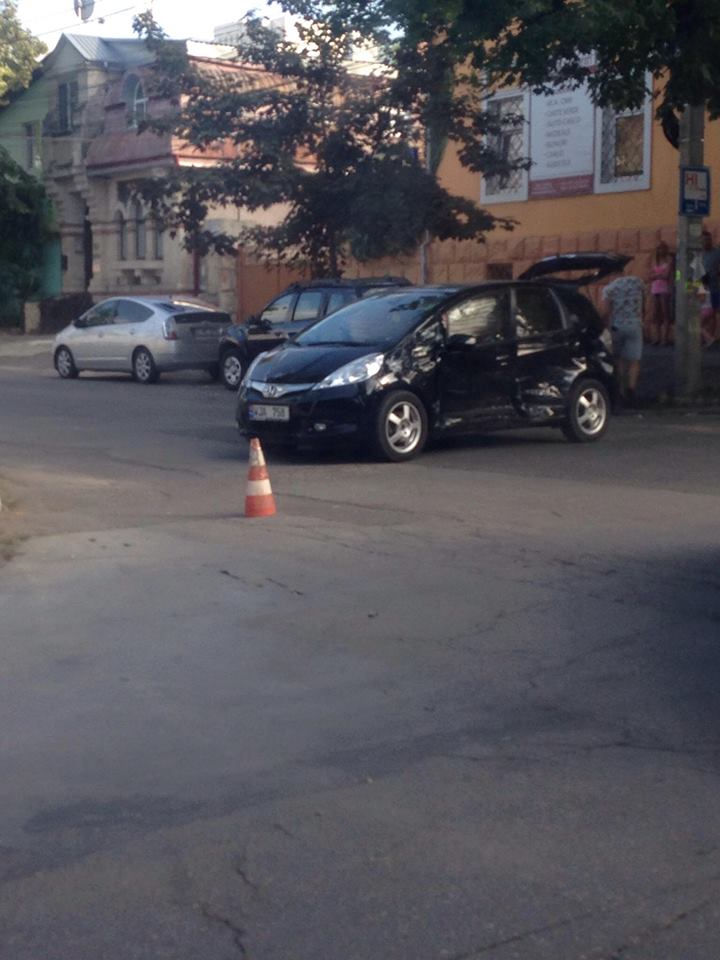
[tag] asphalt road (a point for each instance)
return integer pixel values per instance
(457, 709)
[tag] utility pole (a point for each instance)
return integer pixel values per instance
(687, 305)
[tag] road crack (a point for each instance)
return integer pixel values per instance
(238, 933)
(517, 938)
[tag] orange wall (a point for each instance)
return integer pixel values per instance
(630, 222)
(651, 209)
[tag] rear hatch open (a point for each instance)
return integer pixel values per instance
(595, 267)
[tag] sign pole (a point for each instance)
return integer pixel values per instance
(689, 246)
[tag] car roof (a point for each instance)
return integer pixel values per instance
(174, 303)
(348, 282)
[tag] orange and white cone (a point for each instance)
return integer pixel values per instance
(259, 499)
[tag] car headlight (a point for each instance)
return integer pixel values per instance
(354, 372)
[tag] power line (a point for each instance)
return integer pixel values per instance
(99, 19)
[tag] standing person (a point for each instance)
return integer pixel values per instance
(623, 298)
(661, 277)
(711, 263)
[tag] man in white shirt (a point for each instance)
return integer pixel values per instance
(623, 298)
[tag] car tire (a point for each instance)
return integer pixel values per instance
(144, 369)
(232, 368)
(65, 364)
(401, 427)
(214, 371)
(588, 412)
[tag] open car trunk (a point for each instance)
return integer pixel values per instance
(595, 267)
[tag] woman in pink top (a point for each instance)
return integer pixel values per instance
(661, 280)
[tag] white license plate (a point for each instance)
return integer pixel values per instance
(265, 411)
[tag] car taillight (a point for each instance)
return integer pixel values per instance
(169, 331)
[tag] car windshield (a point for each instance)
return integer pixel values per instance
(378, 321)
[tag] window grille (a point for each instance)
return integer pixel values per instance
(508, 144)
(623, 144)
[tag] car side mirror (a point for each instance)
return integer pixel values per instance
(80, 323)
(253, 320)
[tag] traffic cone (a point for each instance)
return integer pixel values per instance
(259, 499)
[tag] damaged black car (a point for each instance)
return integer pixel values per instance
(396, 369)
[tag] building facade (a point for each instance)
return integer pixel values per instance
(77, 128)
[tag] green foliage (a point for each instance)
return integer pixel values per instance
(339, 150)
(19, 51)
(26, 226)
(540, 43)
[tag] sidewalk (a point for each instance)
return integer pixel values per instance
(22, 345)
(657, 372)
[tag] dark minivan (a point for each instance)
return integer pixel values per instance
(395, 368)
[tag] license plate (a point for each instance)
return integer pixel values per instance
(206, 333)
(266, 411)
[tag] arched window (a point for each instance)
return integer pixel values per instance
(121, 235)
(158, 240)
(135, 100)
(140, 232)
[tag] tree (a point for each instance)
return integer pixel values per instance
(26, 226)
(19, 51)
(336, 148)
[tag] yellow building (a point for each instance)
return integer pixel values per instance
(599, 180)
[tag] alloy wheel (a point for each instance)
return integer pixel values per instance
(591, 411)
(403, 427)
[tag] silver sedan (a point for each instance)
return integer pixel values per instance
(143, 336)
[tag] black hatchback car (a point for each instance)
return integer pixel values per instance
(298, 306)
(393, 369)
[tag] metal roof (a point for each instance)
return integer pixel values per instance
(124, 52)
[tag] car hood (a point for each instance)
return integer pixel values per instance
(300, 364)
(596, 265)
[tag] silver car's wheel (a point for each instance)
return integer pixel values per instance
(64, 364)
(143, 366)
(232, 369)
(401, 427)
(588, 412)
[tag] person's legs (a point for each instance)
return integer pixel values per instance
(633, 375)
(656, 326)
(715, 301)
(665, 334)
(631, 354)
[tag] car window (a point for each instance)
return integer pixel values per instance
(308, 305)
(100, 315)
(481, 319)
(130, 311)
(378, 322)
(579, 308)
(536, 312)
(339, 298)
(279, 310)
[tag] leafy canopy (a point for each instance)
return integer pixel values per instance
(540, 43)
(333, 147)
(26, 226)
(19, 51)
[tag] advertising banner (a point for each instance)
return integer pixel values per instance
(562, 142)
